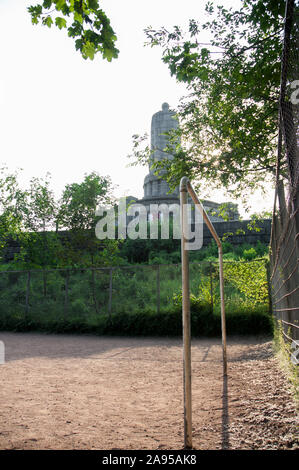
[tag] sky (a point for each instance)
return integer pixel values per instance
(67, 116)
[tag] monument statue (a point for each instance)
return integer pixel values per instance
(163, 121)
(156, 189)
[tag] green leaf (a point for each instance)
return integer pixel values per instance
(79, 44)
(60, 22)
(109, 54)
(96, 36)
(47, 3)
(93, 4)
(60, 4)
(88, 50)
(78, 17)
(48, 21)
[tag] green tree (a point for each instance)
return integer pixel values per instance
(39, 206)
(77, 216)
(79, 202)
(10, 217)
(84, 21)
(38, 209)
(228, 122)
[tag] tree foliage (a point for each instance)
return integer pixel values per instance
(10, 193)
(249, 278)
(50, 232)
(38, 206)
(77, 215)
(79, 202)
(228, 122)
(84, 21)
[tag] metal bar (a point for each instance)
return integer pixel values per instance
(284, 309)
(186, 183)
(287, 336)
(203, 212)
(286, 232)
(186, 324)
(267, 267)
(291, 324)
(285, 280)
(223, 322)
(185, 188)
(286, 295)
(211, 288)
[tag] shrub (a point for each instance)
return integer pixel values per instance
(148, 323)
(250, 254)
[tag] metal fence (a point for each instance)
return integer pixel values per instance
(86, 293)
(284, 244)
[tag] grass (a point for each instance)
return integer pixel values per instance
(282, 352)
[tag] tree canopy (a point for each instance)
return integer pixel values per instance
(84, 21)
(52, 232)
(79, 201)
(228, 121)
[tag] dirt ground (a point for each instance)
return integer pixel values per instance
(88, 392)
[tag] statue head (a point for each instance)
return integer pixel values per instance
(165, 107)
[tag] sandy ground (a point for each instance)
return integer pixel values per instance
(87, 392)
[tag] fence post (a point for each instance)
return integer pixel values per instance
(27, 292)
(66, 296)
(93, 286)
(45, 282)
(223, 322)
(110, 294)
(267, 265)
(158, 288)
(186, 320)
(211, 288)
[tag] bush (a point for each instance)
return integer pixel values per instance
(250, 254)
(45, 304)
(148, 323)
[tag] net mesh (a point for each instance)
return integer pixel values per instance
(284, 243)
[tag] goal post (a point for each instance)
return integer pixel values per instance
(185, 188)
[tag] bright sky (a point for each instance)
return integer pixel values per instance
(62, 114)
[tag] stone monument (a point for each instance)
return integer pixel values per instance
(156, 189)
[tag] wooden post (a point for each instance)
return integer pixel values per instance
(211, 288)
(185, 188)
(27, 292)
(223, 322)
(93, 287)
(158, 289)
(110, 294)
(221, 278)
(186, 323)
(66, 296)
(45, 282)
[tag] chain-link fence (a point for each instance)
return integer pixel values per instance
(88, 293)
(284, 243)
